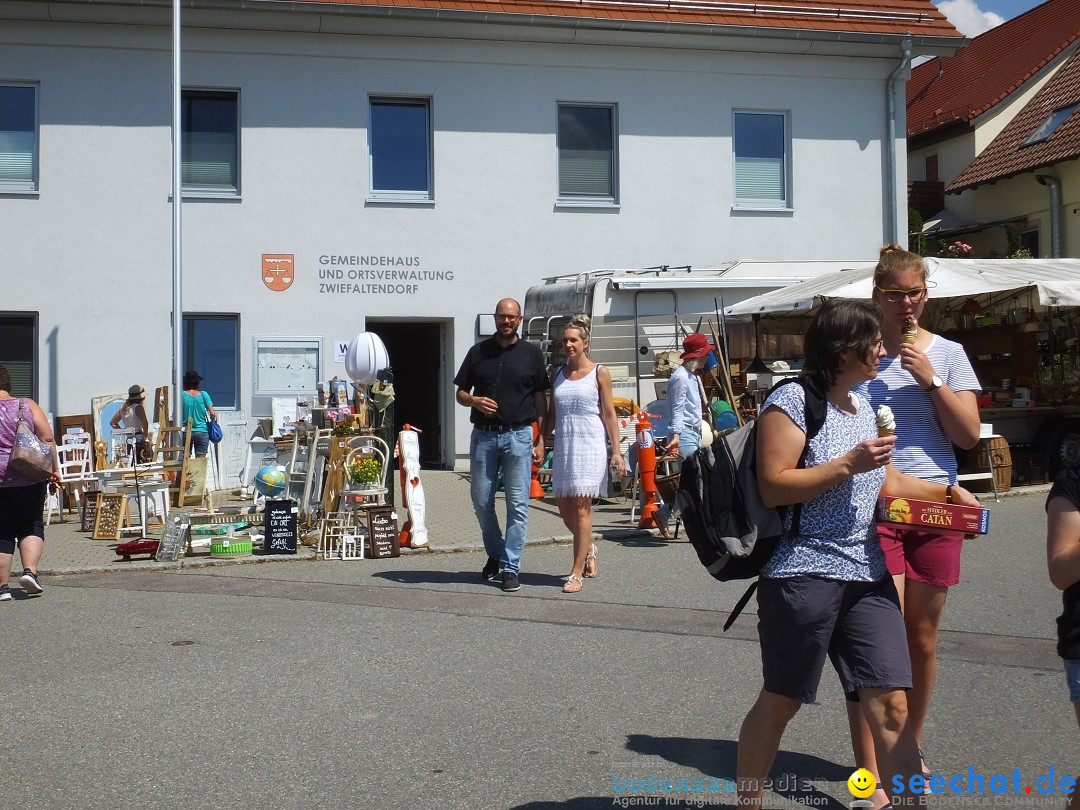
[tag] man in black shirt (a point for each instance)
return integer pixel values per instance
(504, 381)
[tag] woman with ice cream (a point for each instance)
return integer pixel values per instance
(929, 387)
(826, 594)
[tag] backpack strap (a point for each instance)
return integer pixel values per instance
(740, 605)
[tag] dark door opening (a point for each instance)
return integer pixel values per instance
(415, 350)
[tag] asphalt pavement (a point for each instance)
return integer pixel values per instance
(411, 683)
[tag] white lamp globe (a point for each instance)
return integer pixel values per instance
(365, 358)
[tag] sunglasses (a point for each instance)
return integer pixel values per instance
(896, 296)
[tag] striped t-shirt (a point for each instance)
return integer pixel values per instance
(922, 448)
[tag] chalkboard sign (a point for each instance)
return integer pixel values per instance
(279, 527)
(174, 538)
(89, 510)
(383, 532)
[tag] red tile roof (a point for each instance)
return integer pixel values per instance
(917, 17)
(956, 89)
(1006, 156)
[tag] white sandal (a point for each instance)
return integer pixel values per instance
(573, 584)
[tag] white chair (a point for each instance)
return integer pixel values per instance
(76, 461)
(986, 432)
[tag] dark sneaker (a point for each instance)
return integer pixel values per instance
(491, 570)
(30, 582)
(5, 593)
(510, 581)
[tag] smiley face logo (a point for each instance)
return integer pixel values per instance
(861, 783)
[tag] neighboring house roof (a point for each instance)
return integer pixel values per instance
(949, 90)
(917, 17)
(1007, 154)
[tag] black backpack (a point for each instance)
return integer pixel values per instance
(732, 531)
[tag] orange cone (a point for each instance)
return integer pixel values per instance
(647, 472)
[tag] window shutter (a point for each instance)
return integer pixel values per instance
(16, 157)
(759, 179)
(585, 173)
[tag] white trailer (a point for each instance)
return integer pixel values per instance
(637, 314)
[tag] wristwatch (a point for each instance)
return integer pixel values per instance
(935, 383)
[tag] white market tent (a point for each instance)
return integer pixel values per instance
(1052, 282)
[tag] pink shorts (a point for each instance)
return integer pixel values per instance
(933, 559)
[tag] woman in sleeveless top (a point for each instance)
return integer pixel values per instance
(21, 500)
(586, 443)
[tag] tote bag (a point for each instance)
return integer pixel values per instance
(30, 456)
(213, 429)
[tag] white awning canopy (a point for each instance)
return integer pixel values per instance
(1054, 282)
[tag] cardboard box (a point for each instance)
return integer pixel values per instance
(947, 518)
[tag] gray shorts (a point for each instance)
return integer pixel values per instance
(857, 624)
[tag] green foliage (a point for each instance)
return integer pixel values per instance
(916, 238)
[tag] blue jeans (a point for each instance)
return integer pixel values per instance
(512, 452)
(200, 442)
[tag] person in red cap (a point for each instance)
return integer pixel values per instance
(684, 400)
(684, 397)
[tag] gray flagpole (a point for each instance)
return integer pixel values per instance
(177, 266)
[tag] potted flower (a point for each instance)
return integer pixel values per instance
(364, 472)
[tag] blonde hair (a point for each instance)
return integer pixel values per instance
(582, 323)
(894, 259)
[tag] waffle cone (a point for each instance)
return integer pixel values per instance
(883, 432)
(909, 337)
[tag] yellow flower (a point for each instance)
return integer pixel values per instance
(364, 471)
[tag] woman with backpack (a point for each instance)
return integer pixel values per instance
(826, 591)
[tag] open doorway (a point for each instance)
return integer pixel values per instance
(416, 356)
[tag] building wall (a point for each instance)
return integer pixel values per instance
(1024, 196)
(91, 252)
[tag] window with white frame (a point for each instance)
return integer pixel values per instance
(18, 137)
(587, 159)
(400, 148)
(210, 141)
(760, 145)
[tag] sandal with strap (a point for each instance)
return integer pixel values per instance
(927, 773)
(590, 563)
(573, 584)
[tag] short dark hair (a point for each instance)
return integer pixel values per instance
(840, 324)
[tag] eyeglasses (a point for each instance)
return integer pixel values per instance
(896, 296)
(875, 348)
(499, 316)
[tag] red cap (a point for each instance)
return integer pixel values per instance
(694, 346)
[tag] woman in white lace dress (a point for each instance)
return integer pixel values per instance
(586, 443)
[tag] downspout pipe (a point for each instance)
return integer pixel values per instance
(1054, 185)
(892, 217)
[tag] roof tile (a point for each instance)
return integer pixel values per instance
(950, 89)
(918, 17)
(1005, 156)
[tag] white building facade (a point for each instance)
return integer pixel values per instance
(349, 170)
